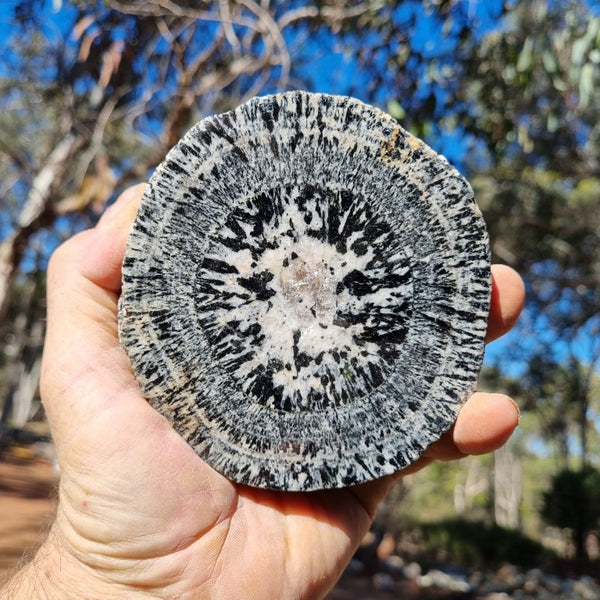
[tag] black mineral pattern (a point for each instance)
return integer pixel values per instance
(305, 292)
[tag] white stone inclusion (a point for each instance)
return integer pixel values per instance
(306, 312)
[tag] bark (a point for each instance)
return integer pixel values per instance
(36, 212)
(26, 401)
(23, 361)
(507, 487)
(475, 482)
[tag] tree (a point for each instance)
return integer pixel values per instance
(573, 501)
(92, 97)
(566, 402)
(524, 103)
(530, 106)
(21, 361)
(534, 108)
(523, 100)
(124, 80)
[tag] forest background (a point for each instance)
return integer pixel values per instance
(93, 94)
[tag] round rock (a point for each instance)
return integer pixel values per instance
(305, 292)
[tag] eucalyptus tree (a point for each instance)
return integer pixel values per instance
(93, 94)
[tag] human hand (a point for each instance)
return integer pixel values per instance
(139, 514)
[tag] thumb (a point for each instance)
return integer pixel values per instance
(82, 356)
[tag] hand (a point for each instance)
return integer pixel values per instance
(139, 514)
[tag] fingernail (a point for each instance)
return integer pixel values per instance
(516, 408)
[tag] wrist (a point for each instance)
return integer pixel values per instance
(55, 574)
(24, 585)
(35, 580)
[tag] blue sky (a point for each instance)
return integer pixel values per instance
(332, 68)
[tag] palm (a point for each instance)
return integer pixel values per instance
(169, 512)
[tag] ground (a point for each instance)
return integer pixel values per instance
(27, 501)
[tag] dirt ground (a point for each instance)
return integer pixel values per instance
(27, 490)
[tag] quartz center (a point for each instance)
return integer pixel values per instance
(308, 284)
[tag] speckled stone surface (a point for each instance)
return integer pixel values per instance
(305, 292)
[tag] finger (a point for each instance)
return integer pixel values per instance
(484, 424)
(103, 265)
(508, 297)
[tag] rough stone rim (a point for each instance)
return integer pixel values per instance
(287, 469)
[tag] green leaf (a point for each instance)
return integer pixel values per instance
(559, 84)
(586, 85)
(524, 61)
(585, 42)
(508, 74)
(579, 48)
(396, 110)
(549, 61)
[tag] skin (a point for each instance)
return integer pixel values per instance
(139, 514)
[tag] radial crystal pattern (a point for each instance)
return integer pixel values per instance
(305, 292)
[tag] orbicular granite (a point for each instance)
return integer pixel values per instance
(305, 292)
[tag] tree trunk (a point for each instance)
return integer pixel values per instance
(579, 535)
(24, 402)
(475, 482)
(507, 487)
(23, 361)
(14, 355)
(583, 425)
(36, 210)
